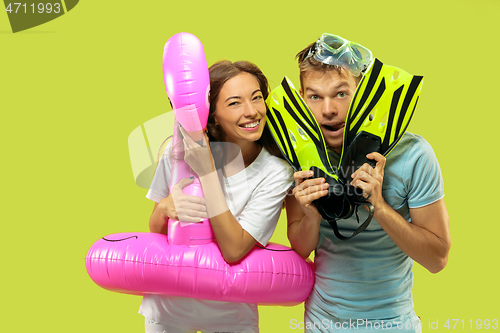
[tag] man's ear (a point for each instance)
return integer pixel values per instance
(301, 93)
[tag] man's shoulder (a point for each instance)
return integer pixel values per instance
(402, 160)
(412, 158)
(411, 139)
(410, 144)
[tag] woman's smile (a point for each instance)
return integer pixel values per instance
(251, 125)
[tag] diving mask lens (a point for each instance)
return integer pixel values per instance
(361, 52)
(335, 50)
(333, 43)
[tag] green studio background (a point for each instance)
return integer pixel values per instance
(73, 89)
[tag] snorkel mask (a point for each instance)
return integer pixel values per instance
(335, 50)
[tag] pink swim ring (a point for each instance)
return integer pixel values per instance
(188, 262)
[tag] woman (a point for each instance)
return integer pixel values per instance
(245, 196)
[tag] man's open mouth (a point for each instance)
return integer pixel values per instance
(334, 127)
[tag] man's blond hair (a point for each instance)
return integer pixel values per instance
(309, 64)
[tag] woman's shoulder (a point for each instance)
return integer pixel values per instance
(274, 161)
(273, 166)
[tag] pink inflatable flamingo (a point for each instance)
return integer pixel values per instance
(188, 263)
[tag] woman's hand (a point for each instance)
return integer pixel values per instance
(370, 179)
(181, 207)
(308, 190)
(199, 158)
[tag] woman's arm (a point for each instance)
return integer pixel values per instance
(234, 242)
(158, 221)
(257, 220)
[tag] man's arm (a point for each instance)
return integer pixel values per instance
(303, 218)
(426, 239)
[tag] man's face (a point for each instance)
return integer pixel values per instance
(328, 95)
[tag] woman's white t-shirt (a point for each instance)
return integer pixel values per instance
(255, 197)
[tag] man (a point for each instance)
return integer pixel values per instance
(365, 283)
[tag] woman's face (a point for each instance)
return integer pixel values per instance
(240, 109)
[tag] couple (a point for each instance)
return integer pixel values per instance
(368, 279)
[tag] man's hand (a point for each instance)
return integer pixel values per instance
(308, 190)
(303, 218)
(370, 179)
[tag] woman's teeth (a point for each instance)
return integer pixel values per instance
(251, 125)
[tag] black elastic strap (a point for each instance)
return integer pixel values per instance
(276, 250)
(333, 223)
